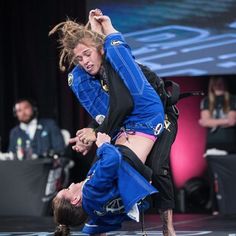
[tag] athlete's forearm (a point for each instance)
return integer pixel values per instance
(108, 28)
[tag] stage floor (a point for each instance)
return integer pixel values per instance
(185, 224)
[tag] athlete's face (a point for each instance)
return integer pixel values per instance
(73, 193)
(89, 57)
(24, 111)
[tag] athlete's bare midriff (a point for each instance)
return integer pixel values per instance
(140, 145)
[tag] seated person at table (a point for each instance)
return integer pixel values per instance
(42, 135)
(110, 194)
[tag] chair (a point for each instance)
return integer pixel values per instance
(66, 136)
(66, 168)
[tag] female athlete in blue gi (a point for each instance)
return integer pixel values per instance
(146, 118)
(109, 195)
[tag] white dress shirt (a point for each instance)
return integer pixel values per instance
(30, 128)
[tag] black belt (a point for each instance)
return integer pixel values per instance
(130, 157)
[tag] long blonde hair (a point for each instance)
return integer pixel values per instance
(212, 96)
(71, 34)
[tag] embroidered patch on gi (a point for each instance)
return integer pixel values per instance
(70, 79)
(100, 118)
(115, 42)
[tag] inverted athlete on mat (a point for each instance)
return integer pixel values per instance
(110, 194)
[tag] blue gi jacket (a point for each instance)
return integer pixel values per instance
(148, 113)
(47, 138)
(111, 189)
(89, 92)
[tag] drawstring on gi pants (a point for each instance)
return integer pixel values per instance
(142, 220)
(125, 132)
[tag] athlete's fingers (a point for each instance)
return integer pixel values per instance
(73, 140)
(79, 132)
(85, 152)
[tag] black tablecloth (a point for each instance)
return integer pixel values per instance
(26, 187)
(224, 171)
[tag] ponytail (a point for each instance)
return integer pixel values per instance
(62, 230)
(65, 215)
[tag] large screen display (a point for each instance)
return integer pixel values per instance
(177, 37)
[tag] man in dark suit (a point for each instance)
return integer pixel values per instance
(40, 137)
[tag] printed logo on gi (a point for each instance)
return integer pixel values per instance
(114, 206)
(158, 129)
(167, 124)
(115, 42)
(70, 79)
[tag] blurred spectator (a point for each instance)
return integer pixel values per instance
(34, 137)
(218, 115)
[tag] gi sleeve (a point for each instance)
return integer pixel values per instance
(89, 92)
(118, 53)
(107, 165)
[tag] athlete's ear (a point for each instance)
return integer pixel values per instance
(75, 201)
(102, 51)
